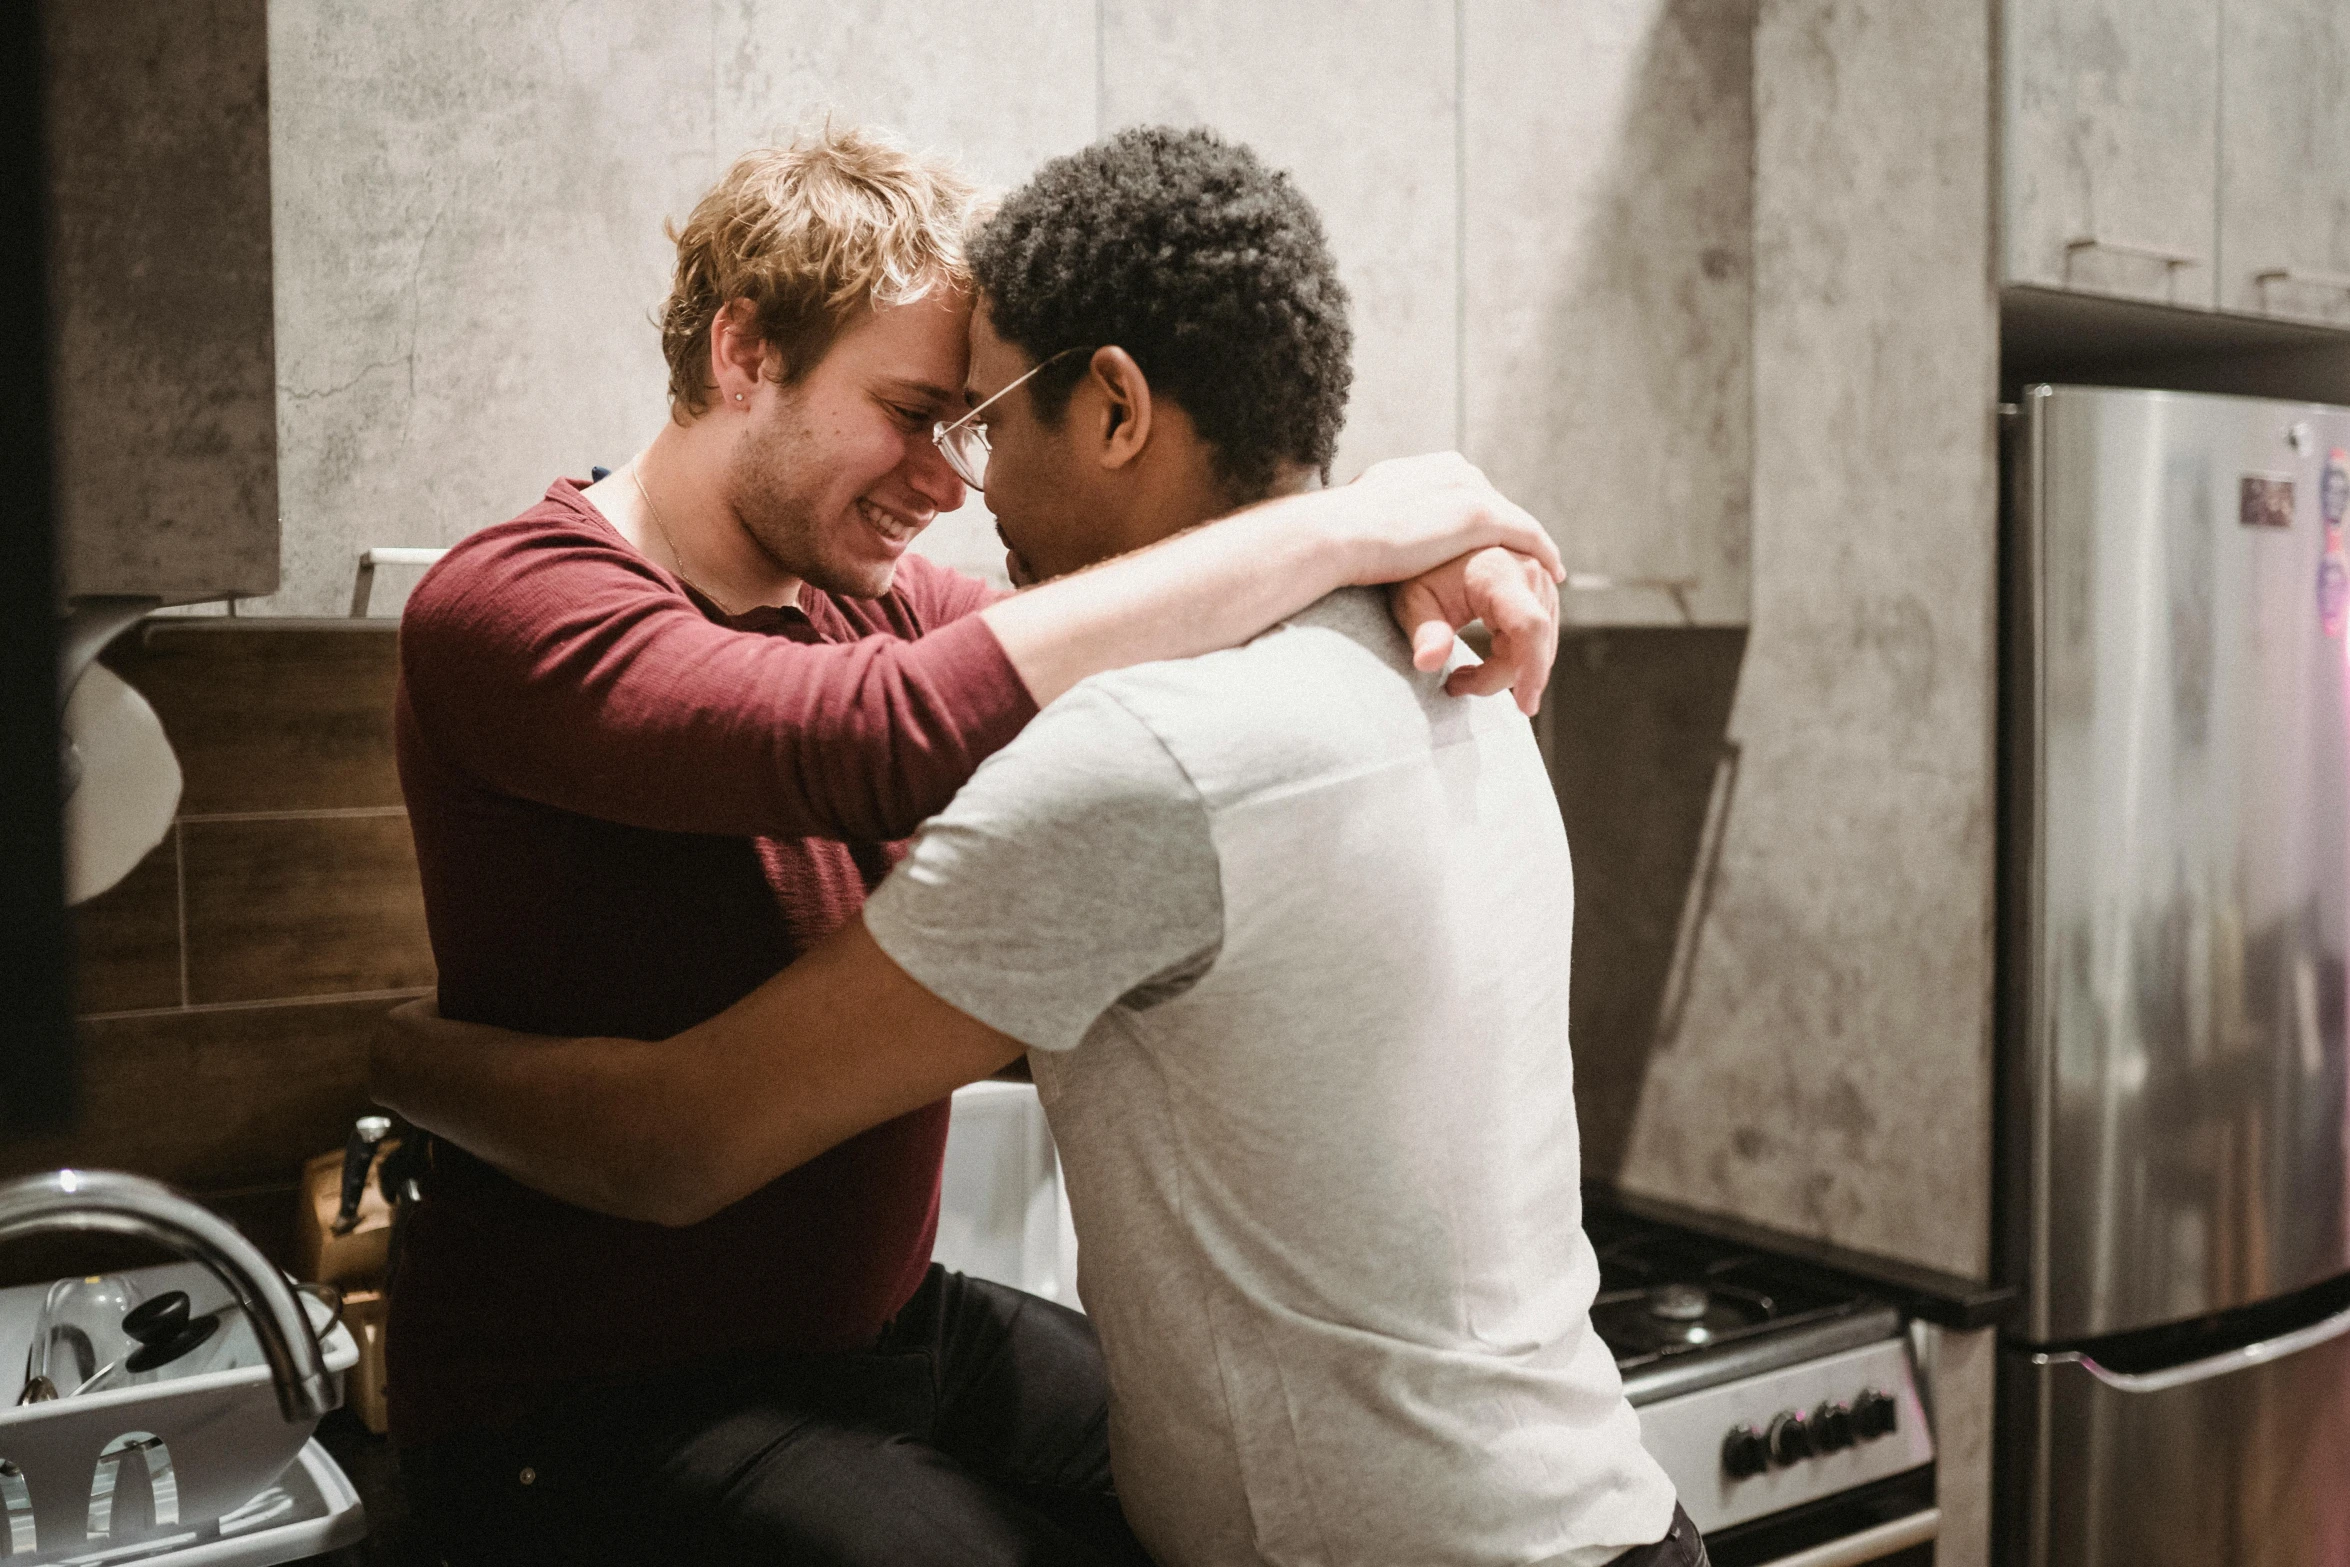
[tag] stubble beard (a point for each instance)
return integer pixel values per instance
(776, 490)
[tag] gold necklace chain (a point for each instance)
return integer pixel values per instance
(676, 555)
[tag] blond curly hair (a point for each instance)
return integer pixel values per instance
(807, 234)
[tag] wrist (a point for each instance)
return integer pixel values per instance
(1317, 534)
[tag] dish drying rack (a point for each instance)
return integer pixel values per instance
(199, 1470)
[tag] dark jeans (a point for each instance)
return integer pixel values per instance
(1682, 1546)
(974, 1434)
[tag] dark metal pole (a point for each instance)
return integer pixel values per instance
(36, 1023)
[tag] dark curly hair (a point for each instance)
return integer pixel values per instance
(1209, 268)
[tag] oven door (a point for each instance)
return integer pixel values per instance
(1891, 1523)
(2238, 1457)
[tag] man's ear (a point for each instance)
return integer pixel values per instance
(1125, 420)
(739, 357)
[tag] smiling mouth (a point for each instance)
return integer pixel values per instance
(894, 529)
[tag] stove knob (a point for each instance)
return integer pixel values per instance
(1744, 1453)
(1790, 1438)
(1832, 1428)
(1875, 1414)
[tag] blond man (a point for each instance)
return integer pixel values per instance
(660, 734)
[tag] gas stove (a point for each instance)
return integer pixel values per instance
(1783, 1404)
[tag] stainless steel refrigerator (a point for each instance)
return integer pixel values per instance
(2175, 912)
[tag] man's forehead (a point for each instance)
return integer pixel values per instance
(914, 351)
(915, 386)
(994, 363)
(915, 336)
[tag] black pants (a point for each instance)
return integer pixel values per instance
(1682, 1546)
(973, 1434)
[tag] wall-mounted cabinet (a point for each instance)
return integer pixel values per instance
(2179, 152)
(1557, 280)
(164, 389)
(2284, 207)
(2111, 152)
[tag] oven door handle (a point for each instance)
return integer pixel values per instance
(2222, 1364)
(1870, 1545)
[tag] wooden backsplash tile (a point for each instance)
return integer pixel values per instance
(302, 907)
(127, 939)
(271, 718)
(214, 1099)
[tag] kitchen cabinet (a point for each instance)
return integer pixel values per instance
(164, 399)
(1376, 159)
(2284, 152)
(2110, 157)
(2179, 152)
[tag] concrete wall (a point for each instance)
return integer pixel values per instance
(1830, 1072)
(1608, 228)
(1365, 116)
(1541, 213)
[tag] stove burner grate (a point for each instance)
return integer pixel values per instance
(1672, 1293)
(1675, 1317)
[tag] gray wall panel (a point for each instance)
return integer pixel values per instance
(1608, 287)
(1831, 1073)
(469, 202)
(1363, 116)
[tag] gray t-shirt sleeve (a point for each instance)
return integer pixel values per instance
(1074, 871)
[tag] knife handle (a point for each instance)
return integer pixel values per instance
(367, 1135)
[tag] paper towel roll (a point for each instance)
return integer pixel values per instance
(130, 783)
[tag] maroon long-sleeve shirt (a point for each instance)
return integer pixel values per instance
(630, 809)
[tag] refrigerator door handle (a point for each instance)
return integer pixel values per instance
(2225, 1363)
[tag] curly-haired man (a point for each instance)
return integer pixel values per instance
(1283, 930)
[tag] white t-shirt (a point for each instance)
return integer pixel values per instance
(1286, 929)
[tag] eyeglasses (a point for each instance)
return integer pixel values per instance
(964, 443)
